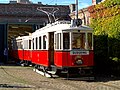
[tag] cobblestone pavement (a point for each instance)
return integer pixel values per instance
(24, 78)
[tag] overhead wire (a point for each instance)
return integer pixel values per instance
(51, 2)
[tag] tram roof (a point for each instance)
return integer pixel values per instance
(60, 26)
(23, 37)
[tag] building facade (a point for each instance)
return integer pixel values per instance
(83, 13)
(23, 1)
(94, 2)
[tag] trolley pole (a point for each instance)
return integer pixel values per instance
(76, 11)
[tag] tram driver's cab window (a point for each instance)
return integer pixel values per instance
(58, 41)
(62, 41)
(78, 41)
(89, 35)
(66, 41)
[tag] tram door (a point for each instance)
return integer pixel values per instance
(51, 48)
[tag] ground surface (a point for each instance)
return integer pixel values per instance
(24, 78)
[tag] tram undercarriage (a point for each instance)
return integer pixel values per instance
(67, 72)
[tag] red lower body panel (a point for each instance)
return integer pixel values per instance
(64, 59)
(40, 57)
(21, 54)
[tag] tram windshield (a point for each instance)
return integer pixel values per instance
(78, 41)
(82, 41)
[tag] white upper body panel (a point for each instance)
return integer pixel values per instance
(59, 26)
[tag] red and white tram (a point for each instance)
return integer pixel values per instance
(59, 46)
(21, 50)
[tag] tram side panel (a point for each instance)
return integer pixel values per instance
(65, 59)
(40, 57)
(20, 48)
(27, 55)
(20, 54)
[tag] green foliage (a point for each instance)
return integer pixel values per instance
(106, 24)
(108, 8)
(107, 4)
(116, 59)
(111, 3)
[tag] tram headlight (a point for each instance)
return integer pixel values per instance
(79, 62)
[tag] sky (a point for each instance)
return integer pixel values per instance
(82, 3)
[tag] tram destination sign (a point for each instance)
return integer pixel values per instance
(79, 52)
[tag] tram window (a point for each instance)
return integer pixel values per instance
(25, 44)
(18, 45)
(29, 44)
(57, 41)
(40, 42)
(78, 41)
(60, 41)
(33, 43)
(89, 40)
(36, 43)
(21, 46)
(66, 41)
(44, 42)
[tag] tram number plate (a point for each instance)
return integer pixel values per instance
(74, 52)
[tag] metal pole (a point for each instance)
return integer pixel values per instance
(76, 7)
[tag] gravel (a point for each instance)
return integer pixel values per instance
(24, 78)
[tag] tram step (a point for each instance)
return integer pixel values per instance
(64, 71)
(42, 73)
(51, 72)
(55, 76)
(53, 68)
